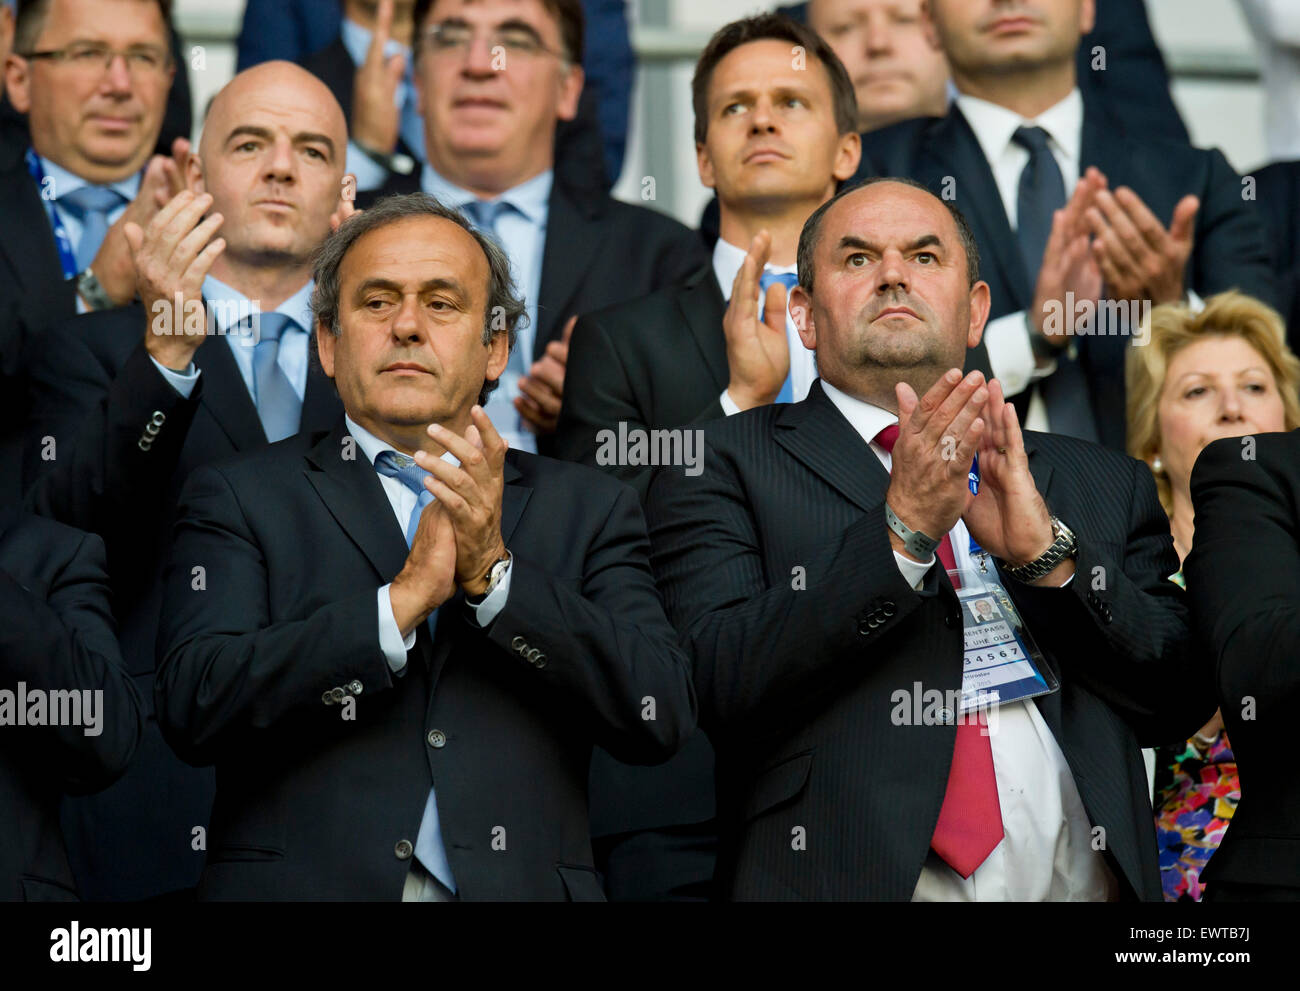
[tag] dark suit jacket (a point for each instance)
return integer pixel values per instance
(242, 671)
(1229, 250)
(1243, 576)
(795, 685)
(579, 153)
(56, 634)
(1277, 204)
(658, 362)
(94, 392)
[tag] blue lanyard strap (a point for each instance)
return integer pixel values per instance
(67, 257)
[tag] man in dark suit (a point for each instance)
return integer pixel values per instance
(1243, 576)
(74, 175)
(1276, 197)
(58, 657)
(799, 569)
(1009, 152)
(332, 666)
(490, 135)
(683, 354)
(127, 403)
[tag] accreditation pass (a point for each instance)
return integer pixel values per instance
(997, 667)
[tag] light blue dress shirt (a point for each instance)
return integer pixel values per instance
(63, 182)
(225, 308)
(370, 174)
(522, 233)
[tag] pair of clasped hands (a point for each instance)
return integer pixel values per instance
(938, 435)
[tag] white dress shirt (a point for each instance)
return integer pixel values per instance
(1046, 853)
(225, 308)
(1276, 27)
(403, 501)
(1007, 338)
(727, 260)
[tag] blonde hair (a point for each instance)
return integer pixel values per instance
(1173, 327)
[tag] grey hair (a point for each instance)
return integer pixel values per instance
(812, 229)
(504, 310)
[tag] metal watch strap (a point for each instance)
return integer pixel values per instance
(1064, 546)
(92, 292)
(916, 543)
(397, 162)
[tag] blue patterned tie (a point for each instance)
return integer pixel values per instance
(429, 849)
(789, 280)
(278, 405)
(91, 205)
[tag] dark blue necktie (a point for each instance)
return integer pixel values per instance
(789, 280)
(1042, 193)
(91, 205)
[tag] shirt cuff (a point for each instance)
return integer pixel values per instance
(391, 641)
(486, 611)
(728, 404)
(1011, 356)
(182, 382)
(913, 571)
(370, 174)
(1194, 302)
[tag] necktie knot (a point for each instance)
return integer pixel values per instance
(91, 199)
(888, 437)
(1033, 139)
(787, 279)
(483, 214)
(404, 469)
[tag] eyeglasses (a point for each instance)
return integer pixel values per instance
(91, 59)
(452, 37)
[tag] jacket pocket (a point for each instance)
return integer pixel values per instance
(243, 854)
(778, 785)
(581, 883)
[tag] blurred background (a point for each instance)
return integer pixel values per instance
(1207, 47)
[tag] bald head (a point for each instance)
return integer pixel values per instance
(272, 156)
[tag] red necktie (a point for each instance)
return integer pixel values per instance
(970, 821)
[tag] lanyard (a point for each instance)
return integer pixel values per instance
(67, 258)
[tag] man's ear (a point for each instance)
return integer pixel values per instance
(498, 355)
(1087, 16)
(704, 162)
(194, 173)
(17, 83)
(928, 26)
(566, 107)
(980, 302)
(802, 315)
(325, 347)
(847, 156)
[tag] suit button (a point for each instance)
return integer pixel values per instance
(889, 609)
(338, 694)
(532, 655)
(519, 644)
(158, 418)
(437, 739)
(144, 443)
(355, 686)
(945, 715)
(864, 628)
(403, 850)
(950, 621)
(540, 661)
(1105, 613)
(327, 697)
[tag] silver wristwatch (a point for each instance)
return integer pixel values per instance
(494, 576)
(1063, 546)
(92, 292)
(916, 543)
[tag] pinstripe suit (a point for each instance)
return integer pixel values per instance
(795, 684)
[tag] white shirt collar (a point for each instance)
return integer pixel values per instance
(727, 259)
(371, 446)
(994, 125)
(866, 419)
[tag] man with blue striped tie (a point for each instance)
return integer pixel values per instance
(419, 636)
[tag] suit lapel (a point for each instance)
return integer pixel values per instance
(702, 308)
(573, 236)
(226, 396)
(955, 151)
(816, 433)
(25, 237)
(354, 496)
